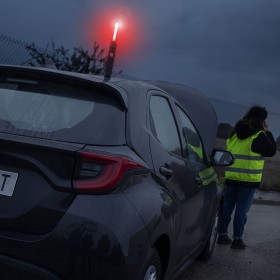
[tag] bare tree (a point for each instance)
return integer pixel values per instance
(77, 60)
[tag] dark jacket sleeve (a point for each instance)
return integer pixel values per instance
(264, 144)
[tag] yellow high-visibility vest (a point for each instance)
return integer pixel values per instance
(248, 166)
(197, 150)
(208, 176)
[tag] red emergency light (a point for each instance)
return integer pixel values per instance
(111, 54)
(117, 24)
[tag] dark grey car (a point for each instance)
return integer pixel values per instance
(104, 180)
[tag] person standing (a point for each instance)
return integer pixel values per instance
(249, 142)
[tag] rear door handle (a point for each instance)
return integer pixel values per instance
(168, 173)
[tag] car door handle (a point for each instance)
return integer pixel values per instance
(168, 173)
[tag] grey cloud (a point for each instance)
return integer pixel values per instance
(228, 49)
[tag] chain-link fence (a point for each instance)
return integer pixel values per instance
(13, 51)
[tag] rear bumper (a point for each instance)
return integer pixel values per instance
(99, 237)
(11, 268)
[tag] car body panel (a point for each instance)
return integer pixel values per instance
(91, 239)
(107, 235)
(36, 207)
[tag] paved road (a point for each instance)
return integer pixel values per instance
(259, 261)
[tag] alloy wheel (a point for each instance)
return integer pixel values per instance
(151, 273)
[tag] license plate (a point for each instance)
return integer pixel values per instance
(7, 182)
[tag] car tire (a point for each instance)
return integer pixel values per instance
(212, 238)
(152, 266)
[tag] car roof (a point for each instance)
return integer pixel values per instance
(54, 73)
(194, 103)
(198, 107)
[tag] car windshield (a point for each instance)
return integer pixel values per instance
(61, 112)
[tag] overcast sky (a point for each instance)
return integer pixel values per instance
(228, 49)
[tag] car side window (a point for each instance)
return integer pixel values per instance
(164, 124)
(194, 147)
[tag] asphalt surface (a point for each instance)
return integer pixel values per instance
(267, 198)
(260, 260)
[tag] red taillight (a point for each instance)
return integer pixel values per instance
(101, 172)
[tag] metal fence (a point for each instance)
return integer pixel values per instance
(14, 52)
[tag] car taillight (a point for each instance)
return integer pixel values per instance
(97, 172)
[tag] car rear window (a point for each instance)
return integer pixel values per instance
(60, 111)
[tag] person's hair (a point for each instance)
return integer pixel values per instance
(255, 117)
(256, 114)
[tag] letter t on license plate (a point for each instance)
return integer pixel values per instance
(7, 182)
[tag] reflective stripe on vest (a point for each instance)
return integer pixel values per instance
(248, 166)
(208, 176)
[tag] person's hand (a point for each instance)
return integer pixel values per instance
(265, 126)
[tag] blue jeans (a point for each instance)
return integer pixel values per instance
(240, 198)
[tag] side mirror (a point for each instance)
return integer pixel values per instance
(221, 158)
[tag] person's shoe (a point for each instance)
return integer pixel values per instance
(238, 244)
(224, 239)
